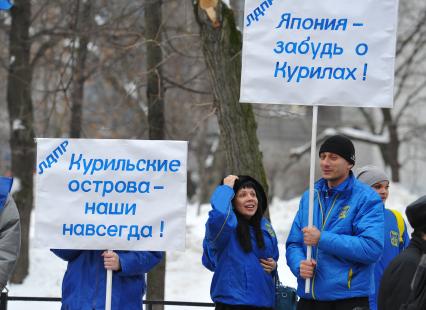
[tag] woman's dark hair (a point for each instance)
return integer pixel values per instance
(243, 227)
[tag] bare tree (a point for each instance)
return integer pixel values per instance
(21, 123)
(221, 44)
(155, 96)
(83, 27)
(410, 83)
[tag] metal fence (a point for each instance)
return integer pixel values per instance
(5, 298)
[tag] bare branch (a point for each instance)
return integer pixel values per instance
(352, 133)
(369, 119)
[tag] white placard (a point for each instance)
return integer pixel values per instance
(111, 194)
(309, 52)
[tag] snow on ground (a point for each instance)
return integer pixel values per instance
(186, 279)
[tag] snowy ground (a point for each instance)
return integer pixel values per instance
(187, 279)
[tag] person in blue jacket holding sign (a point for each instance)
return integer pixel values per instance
(5, 5)
(346, 236)
(84, 283)
(396, 236)
(240, 246)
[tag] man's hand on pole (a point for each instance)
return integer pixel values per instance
(307, 268)
(111, 261)
(311, 235)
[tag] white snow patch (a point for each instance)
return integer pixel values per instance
(100, 21)
(17, 125)
(16, 185)
(93, 48)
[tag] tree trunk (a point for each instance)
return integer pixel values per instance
(390, 151)
(83, 24)
(155, 95)
(221, 43)
(20, 109)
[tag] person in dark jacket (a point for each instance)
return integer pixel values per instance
(240, 246)
(346, 236)
(396, 281)
(396, 235)
(84, 283)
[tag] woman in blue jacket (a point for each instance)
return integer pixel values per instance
(240, 246)
(84, 283)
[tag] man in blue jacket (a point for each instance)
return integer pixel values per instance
(84, 283)
(346, 236)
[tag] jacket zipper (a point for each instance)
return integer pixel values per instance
(350, 274)
(324, 221)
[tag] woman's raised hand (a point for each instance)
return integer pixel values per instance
(230, 180)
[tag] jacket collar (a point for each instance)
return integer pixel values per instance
(344, 188)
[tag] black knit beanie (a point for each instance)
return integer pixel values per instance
(339, 145)
(416, 213)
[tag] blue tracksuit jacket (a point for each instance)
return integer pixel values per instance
(238, 278)
(392, 248)
(84, 283)
(350, 218)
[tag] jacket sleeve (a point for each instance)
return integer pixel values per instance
(295, 249)
(135, 263)
(67, 255)
(367, 242)
(10, 240)
(222, 220)
(275, 253)
(208, 257)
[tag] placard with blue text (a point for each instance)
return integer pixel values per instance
(309, 52)
(111, 194)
